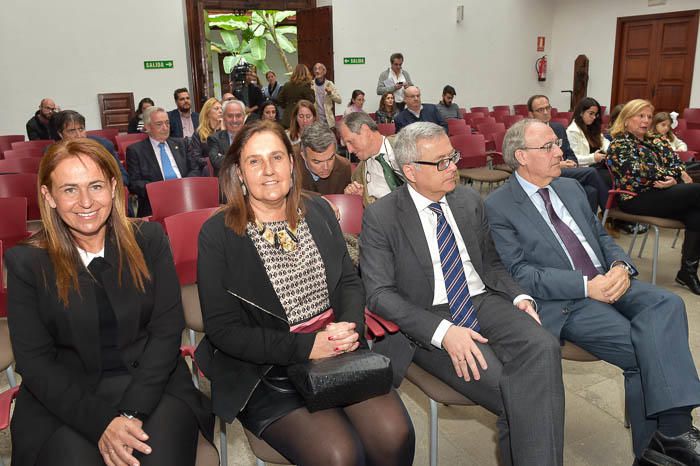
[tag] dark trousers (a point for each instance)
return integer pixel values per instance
(645, 334)
(596, 188)
(679, 202)
(522, 384)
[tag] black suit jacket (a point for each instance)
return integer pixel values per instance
(218, 144)
(560, 131)
(176, 123)
(143, 168)
(57, 349)
(243, 341)
(398, 272)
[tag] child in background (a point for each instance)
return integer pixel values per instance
(661, 125)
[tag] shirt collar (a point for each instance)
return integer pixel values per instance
(414, 113)
(421, 202)
(314, 176)
(529, 188)
(155, 143)
(87, 257)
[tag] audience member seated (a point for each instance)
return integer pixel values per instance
(661, 125)
(614, 113)
(326, 95)
(357, 101)
(446, 106)
(183, 121)
(268, 111)
(39, 126)
(323, 171)
(595, 187)
(71, 125)
(219, 142)
(226, 97)
(583, 282)
(136, 123)
(647, 166)
(586, 137)
(377, 174)
(211, 121)
(303, 115)
(429, 265)
(387, 110)
(249, 93)
(156, 158)
(394, 79)
(416, 111)
(96, 321)
(272, 89)
(274, 249)
(298, 88)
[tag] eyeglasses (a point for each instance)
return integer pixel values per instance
(546, 109)
(443, 164)
(546, 147)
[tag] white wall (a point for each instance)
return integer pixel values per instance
(71, 51)
(489, 57)
(589, 27)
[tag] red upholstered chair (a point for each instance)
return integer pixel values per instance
(457, 126)
(7, 140)
(687, 156)
(488, 129)
(486, 119)
(553, 112)
(23, 153)
(6, 356)
(484, 110)
(603, 109)
(473, 165)
(462, 111)
(692, 114)
(338, 118)
(21, 185)
(501, 108)
(468, 117)
(107, 133)
(520, 109)
(565, 115)
(386, 129)
(182, 195)
(373, 116)
(510, 120)
(13, 227)
(38, 143)
(692, 138)
(125, 140)
(351, 210)
(25, 165)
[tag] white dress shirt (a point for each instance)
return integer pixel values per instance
(563, 213)
(428, 220)
(87, 257)
(398, 94)
(374, 173)
(156, 149)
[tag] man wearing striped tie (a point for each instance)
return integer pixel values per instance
(429, 265)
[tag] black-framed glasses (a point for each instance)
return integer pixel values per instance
(548, 108)
(443, 164)
(546, 147)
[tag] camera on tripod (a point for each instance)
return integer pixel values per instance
(239, 72)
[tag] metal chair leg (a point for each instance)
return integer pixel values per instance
(10, 378)
(433, 432)
(644, 243)
(193, 337)
(259, 462)
(634, 238)
(223, 443)
(675, 240)
(655, 259)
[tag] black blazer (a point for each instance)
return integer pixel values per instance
(142, 166)
(218, 144)
(176, 123)
(57, 349)
(560, 132)
(243, 342)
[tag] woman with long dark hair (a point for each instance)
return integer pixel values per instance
(136, 123)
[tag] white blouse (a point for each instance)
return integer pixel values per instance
(579, 144)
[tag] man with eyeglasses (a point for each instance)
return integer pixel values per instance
(595, 187)
(429, 265)
(157, 158)
(39, 126)
(559, 253)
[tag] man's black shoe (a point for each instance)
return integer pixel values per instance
(683, 450)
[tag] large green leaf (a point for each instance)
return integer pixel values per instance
(230, 62)
(230, 38)
(247, 34)
(285, 44)
(226, 18)
(286, 30)
(258, 48)
(282, 15)
(262, 67)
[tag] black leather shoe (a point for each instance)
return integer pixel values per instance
(683, 450)
(688, 276)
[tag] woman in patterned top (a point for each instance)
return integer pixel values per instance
(647, 166)
(270, 262)
(387, 110)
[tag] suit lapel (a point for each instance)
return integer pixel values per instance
(413, 229)
(84, 320)
(467, 229)
(179, 156)
(152, 159)
(322, 235)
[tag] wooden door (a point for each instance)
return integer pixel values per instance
(654, 58)
(315, 38)
(116, 108)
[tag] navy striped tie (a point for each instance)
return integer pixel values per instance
(461, 304)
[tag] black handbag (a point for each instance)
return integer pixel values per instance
(341, 380)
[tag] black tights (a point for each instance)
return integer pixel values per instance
(374, 432)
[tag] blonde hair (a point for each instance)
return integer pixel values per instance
(631, 108)
(204, 129)
(55, 236)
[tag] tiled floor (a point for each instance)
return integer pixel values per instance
(594, 435)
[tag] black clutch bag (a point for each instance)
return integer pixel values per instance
(341, 380)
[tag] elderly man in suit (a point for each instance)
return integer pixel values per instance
(559, 253)
(183, 121)
(219, 142)
(428, 264)
(157, 158)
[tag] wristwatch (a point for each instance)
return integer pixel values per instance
(630, 270)
(131, 414)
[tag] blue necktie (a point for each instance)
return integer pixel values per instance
(461, 305)
(168, 172)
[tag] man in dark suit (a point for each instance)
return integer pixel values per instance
(323, 171)
(596, 189)
(219, 142)
(156, 158)
(428, 264)
(416, 111)
(559, 253)
(183, 121)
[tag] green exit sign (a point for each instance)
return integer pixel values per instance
(353, 60)
(157, 64)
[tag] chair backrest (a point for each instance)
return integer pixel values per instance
(125, 140)
(692, 138)
(457, 126)
(25, 165)
(7, 140)
(691, 114)
(183, 231)
(338, 118)
(510, 120)
(472, 147)
(40, 143)
(351, 210)
(565, 115)
(498, 141)
(487, 129)
(469, 117)
(484, 110)
(107, 133)
(373, 115)
(3, 289)
(520, 109)
(487, 119)
(562, 121)
(603, 108)
(386, 129)
(13, 227)
(502, 108)
(553, 112)
(23, 153)
(462, 111)
(500, 115)
(21, 185)
(182, 195)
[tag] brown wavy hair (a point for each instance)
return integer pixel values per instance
(55, 236)
(237, 210)
(301, 75)
(293, 124)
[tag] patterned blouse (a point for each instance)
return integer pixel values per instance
(636, 164)
(383, 116)
(299, 276)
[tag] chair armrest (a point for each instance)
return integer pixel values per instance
(613, 193)
(374, 328)
(6, 398)
(388, 325)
